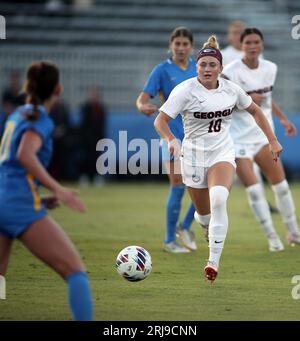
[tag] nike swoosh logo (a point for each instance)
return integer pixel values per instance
(217, 242)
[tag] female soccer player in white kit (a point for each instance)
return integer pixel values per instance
(257, 77)
(208, 158)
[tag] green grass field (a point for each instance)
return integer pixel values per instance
(253, 284)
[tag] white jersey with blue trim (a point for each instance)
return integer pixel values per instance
(206, 115)
(244, 129)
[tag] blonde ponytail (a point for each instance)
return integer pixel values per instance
(212, 43)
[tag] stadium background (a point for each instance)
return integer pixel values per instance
(114, 44)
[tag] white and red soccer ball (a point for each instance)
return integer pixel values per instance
(134, 263)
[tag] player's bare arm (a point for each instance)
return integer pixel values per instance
(162, 127)
(263, 123)
(290, 129)
(143, 105)
(27, 155)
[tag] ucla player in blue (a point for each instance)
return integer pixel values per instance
(164, 77)
(25, 152)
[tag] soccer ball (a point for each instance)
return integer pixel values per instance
(134, 263)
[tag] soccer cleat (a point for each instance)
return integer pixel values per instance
(275, 244)
(187, 238)
(293, 238)
(174, 247)
(205, 228)
(210, 271)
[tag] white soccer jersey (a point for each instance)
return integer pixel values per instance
(261, 80)
(206, 116)
(230, 54)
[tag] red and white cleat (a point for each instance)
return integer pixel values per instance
(210, 271)
(293, 239)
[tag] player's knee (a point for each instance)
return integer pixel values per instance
(284, 200)
(176, 181)
(255, 192)
(281, 188)
(176, 193)
(72, 269)
(69, 266)
(218, 197)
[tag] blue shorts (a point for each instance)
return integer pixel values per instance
(20, 205)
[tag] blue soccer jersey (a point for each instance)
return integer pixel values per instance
(163, 79)
(20, 203)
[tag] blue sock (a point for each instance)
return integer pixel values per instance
(80, 296)
(189, 217)
(173, 211)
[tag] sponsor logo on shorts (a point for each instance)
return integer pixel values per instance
(196, 178)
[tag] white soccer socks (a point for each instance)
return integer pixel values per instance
(260, 208)
(218, 225)
(286, 207)
(203, 220)
(257, 173)
(2, 288)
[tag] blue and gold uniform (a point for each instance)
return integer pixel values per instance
(20, 203)
(162, 80)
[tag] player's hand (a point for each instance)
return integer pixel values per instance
(70, 198)
(276, 149)
(148, 109)
(50, 202)
(174, 148)
(290, 129)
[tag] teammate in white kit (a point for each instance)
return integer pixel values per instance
(257, 77)
(234, 50)
(208, 158)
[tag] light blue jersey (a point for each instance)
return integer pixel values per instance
(163, 79)
(20, 203)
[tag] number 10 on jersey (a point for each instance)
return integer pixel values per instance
(215, 126)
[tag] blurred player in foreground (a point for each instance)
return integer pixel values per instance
(208, 158)
(257, 77)
(25, 153)
(163, 78)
